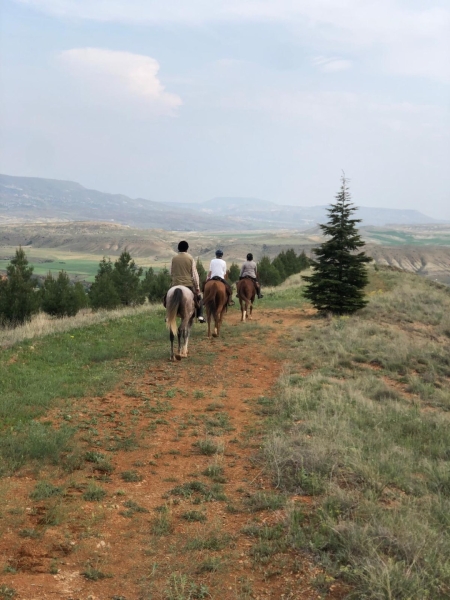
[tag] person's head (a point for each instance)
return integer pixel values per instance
(249, 256)
(183, 246)
(219, 253)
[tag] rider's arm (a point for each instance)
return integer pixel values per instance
(242, 270)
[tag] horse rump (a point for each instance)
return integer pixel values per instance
(173, 302)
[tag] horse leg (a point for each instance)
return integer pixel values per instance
(178, 354)
(242, 310)
(172, 337)
(251, 309)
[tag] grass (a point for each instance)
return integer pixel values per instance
(44, 490)
(208, 447)
(162, 523)
(366, 431)
(131, 476)
(38, 374)
(94, 493)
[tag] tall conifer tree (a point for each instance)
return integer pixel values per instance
(18, 298)
(340, 275)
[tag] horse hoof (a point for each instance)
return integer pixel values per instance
(178, 356)
(215, 334)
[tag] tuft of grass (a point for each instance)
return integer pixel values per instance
(194, 515)
(93, 574)
(94, 493)
(208, 447)
(131, 476)
(6, 592)
(265, 501)
(162, 523)
(44, 490)
(197, 490)
(209, 565)
(132, 509)
(180, 587)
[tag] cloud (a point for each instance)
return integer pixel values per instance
(331, 65)
(410, 39)
(121, 75)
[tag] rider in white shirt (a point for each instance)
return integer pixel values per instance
(218, 268)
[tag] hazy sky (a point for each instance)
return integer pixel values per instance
(184, 100)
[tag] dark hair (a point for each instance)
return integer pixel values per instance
(219, 253)
(183, 246)
(249, 256)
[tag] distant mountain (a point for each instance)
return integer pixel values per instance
(36, 199)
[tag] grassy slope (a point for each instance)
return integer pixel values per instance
(362, 425)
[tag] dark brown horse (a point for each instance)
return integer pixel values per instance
(246, 292)
(215, 301)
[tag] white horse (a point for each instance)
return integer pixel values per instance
(180, 303)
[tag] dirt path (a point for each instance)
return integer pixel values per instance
(188, 511)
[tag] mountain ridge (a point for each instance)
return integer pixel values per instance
(37, 199)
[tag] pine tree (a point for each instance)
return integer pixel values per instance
(201, 272)
(268, 274)
(234, 272)
(103, 293)
(156, 285)
(60, 298)
(339, 276)
(19, 299)
(126, 276)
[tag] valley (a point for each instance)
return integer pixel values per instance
(77, 247)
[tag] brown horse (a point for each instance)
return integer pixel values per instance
(215, 301)
(246, 292)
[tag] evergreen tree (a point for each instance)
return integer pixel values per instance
(60, 298)
(103, 293)
(234, 272)
(19, 299)
(339, 276)
(268, 273)
(156, 285)
(201, 272)
(126, 276)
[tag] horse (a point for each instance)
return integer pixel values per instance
(180, 302)
(246, 293)
(215, 300)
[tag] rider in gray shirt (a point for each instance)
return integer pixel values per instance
(249, 269)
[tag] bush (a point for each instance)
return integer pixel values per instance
(60, 298)
(19, 299)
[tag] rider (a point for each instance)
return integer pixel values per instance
(218, 268)
(249, 269)
(184, 272)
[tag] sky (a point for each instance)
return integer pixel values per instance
(184, 101)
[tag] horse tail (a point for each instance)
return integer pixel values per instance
(173, 304)
(209, 302)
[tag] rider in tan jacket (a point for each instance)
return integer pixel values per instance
(184, 272)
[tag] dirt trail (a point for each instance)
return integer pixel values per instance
(179, 516)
